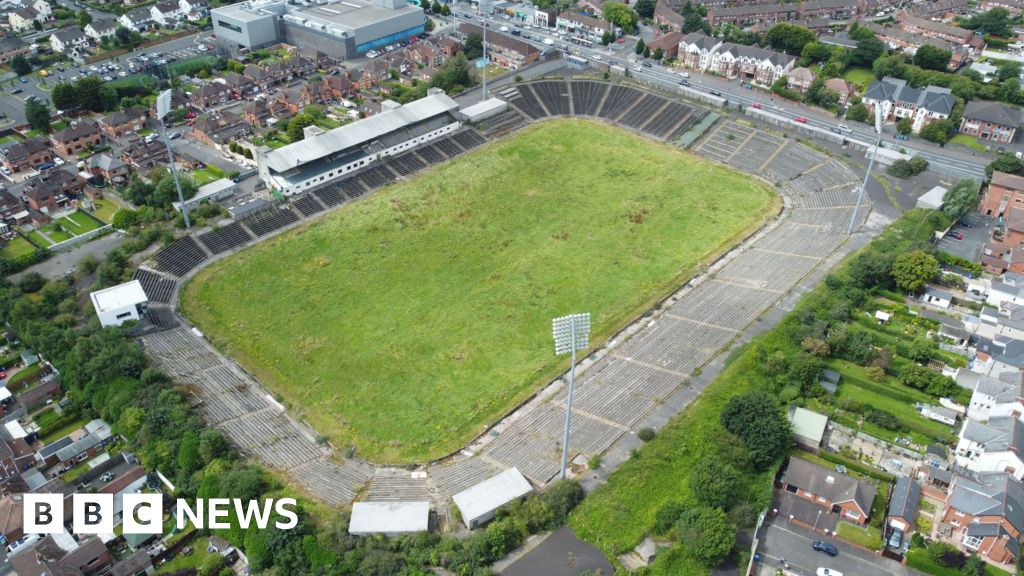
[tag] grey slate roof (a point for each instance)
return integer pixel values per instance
(990, 495)
(992, 112)
(701, 40)
(933, 98)
(1002, 434)
(906, 497)
(822, 481)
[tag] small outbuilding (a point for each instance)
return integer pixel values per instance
(389, 518)
(808, 428)
(932, 199)
(478, 503)
(483, 110)
(119, 304)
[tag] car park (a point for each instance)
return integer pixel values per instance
(827, 548)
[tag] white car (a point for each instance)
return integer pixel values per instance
(827, 572)
(122, 74)
(597, 57)
(58, 160)
(845, 128)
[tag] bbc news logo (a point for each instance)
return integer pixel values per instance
(143, 513)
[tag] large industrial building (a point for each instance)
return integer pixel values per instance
(323, 157)
(340, 29)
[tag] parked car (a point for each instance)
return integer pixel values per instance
(800, 119)
(845, 128)
(17, 91)
(825, 547)
(957, 235)
(756, 105)
(23, 80)
(902, 137)
(827, 572)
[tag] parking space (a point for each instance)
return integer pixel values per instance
(781, 540)
(967, 240)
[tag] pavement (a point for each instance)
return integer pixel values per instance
(559, 554)
(779, 539)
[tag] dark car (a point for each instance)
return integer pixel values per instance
(17, 91)
(825, 547)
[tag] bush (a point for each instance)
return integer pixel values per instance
(908, 168)
(646, 434)
(945, 554)
(667, 515)
(885, 420)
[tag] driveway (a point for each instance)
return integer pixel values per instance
(779, 539)
(974, 237)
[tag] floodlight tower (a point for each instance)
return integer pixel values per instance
(163, 107)
(871, 163)
(571, 333)
(483, 88)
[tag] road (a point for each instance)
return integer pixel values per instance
(779, 539)
(945, 161)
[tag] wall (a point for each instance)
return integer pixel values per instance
(81, 238)
(308, 38)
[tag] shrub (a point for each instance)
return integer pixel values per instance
(646, 434)
(945, 554)
(885, 420)
(876, 373)
(667, 515)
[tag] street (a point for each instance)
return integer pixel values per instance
(779, 539)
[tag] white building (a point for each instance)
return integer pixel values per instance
(939, 413)
(696, 50)
(119, 304)
(69, 40)
(100, 28)
(994, 446)
(478, 503)
(581, 26)
(898, 100)
(937, 298)
(388, 518)
(1000, 397)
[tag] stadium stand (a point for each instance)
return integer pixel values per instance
(226, 238)
(180, 257)
(158, 288)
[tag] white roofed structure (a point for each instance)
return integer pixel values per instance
(119, 304)
(483, 110)
(14, 429)
(389, 518)
(478, 503)
(932, 199)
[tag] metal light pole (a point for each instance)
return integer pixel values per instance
(483, 88)
(871, 163)
(571, 333)
(163, 107)
(818, 517)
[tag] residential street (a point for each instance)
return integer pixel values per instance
(779, 539)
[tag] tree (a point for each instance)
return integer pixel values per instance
(996, 22)
(474, 46)
(620, 14)
(607, 38)
(938, 131)
(453, 73)
(819, 95)
(38, 115)
(64, 96)
(707, 534)
(946, 554)
(37, 25)
(756, 420)
(435, 7)
(645, 8)
(445, 10)
(1008, 69)
(1008, 163)
(789, 38)
(867, 51)
(905, 125)
(857, 112)
(108, 98)
(640, 46)
(88, 93)
(961, 199)
(815, 52)
(932, 58)
(84, 18)
(974, 566)
(908, 168)
(913, 270)
(658, 53)
(21, 66)
(647, 51)
(714, 482)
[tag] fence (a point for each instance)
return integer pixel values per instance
(81, 238)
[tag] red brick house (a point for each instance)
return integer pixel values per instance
(990, 121)
(986, 515)
(72, 140)
(669, 44)
(1005, 190)
(220, 129)
(211, 94)
(23, 156)
(123, 122)
(255, 112)
(836, 493)
(799, 79)
(53, 191)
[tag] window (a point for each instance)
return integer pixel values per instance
(972, 542)
(852, 514)
(123, 315)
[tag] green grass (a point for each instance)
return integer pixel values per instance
(206, 175)
(80, 222)
(15, 382)
(866, 536)
(58, 433)
(105, 209)
(18, 247)
(406, 322)
(194, 560)
(860, 76)
(54, 234)
(969, 141)
(919, 560)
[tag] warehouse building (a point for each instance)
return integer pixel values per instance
(338, 29)
(323, 157)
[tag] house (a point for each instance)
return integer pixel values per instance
(927, 27)
(1014, 7)
(808, 428)
(502, 49)
(990, 121)
(665, 15)
(1004, 190)
(220, 128)
(669, 44)
(12, 46)
(239, 83)
(56, 190)
(904, 502)
(12, 211)
(211, 94)
(841, 87)
(77, 138)
(46, 557)
(337, 87)
(898, 100)
(100, 28)
(799, 79)
(143, 155)
(985, 514)
(761, 65)
(167, 12)
(109, 167)
(478, 503)
(939, 414)
(833, 491)
(937, 298)
(41, 6)
(138, 19)
(23, 156)
(747, 15)
(993, 446)
(23, 19)
(70, 40)
(696, 50)
(137, 563)
(256, 112)
(581, 26)
(123, 122)
(994, 397)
